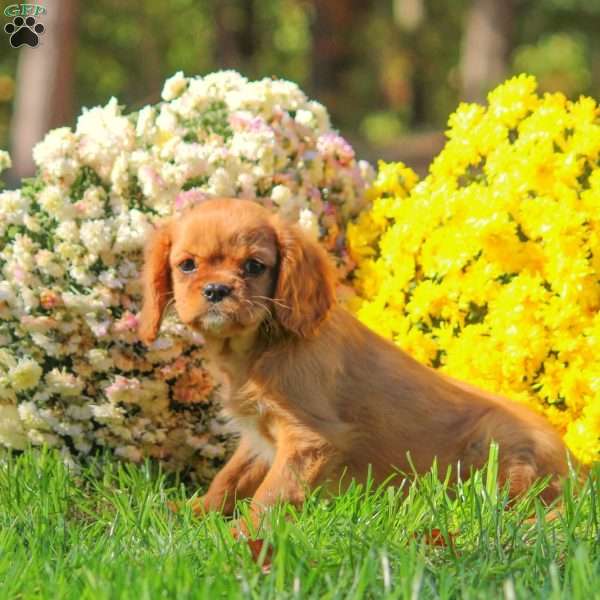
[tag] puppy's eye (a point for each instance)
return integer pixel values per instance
(187, 266)
(253, 267)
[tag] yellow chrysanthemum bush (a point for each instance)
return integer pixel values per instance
(489, 268)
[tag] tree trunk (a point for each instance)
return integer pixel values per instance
(334, 51)
(235, 34)
(45, 75)
(486, 47)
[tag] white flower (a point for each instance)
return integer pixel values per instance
(188, 158)
(25, 375)
(281, 194)
(42, 341)
(6, 293)
(68, 231)
(72, 430)
(104, 134)
(107, 413)
(150, 180)
(252, 145)
(146, 127)
(70, 288)
(305, 117)
(174, 86)
(91, 206)
(81, 303)
(99, 359)
(63, 384)
(96, 236)
(31, 417)
(11, 429)
(321, 115)
(309, 222)
(133, 229)
(167, 120)
(79, 413)
(81, 275)
(56, 156)
(29, 299)
(246, 185)
(110, 279)
(55, 201)
(5, 162)
(32, 223)
(40, 438)
(119, 177)
(221, 183)
(13, 207)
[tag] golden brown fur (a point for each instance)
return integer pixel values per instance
(314, 392)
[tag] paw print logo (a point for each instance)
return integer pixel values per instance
(24, 31)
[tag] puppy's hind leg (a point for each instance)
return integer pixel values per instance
(520, 476)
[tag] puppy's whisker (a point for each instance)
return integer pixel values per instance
(264, 307)
(276, 301)
(268, 321)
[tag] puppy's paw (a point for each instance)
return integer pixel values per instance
(147, 332)
(262, 555)
(196, 505)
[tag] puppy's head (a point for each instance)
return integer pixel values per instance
(229, 265)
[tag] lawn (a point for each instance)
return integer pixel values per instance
(105, 532)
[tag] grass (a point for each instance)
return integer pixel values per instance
(105, 532)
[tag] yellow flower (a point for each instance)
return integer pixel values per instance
(513, 100)
(489, 268)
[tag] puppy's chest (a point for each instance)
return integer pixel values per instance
(253, 418)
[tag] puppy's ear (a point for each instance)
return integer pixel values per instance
(156, 283)
(305, 290)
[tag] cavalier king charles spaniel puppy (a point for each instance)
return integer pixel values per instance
(315, 394)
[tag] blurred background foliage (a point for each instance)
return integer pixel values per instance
(389, 71)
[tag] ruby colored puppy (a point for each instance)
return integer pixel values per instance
(315, 393)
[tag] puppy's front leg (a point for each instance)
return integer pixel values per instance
(239, 478)
(300, 464)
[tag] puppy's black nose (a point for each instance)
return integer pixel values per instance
(215, 292)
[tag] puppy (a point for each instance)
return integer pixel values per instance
(316, 394)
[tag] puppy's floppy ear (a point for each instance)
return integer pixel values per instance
(156, 283)
(305, 290)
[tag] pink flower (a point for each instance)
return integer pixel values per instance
(149, 178)
(174, 369)
(328, 208)
(241, 121)
(127, 322)
(334, 145)
(18, 274)
(121, 389)
(100, 329)
(189, 197)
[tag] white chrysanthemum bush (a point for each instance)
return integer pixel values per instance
(73, 373)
